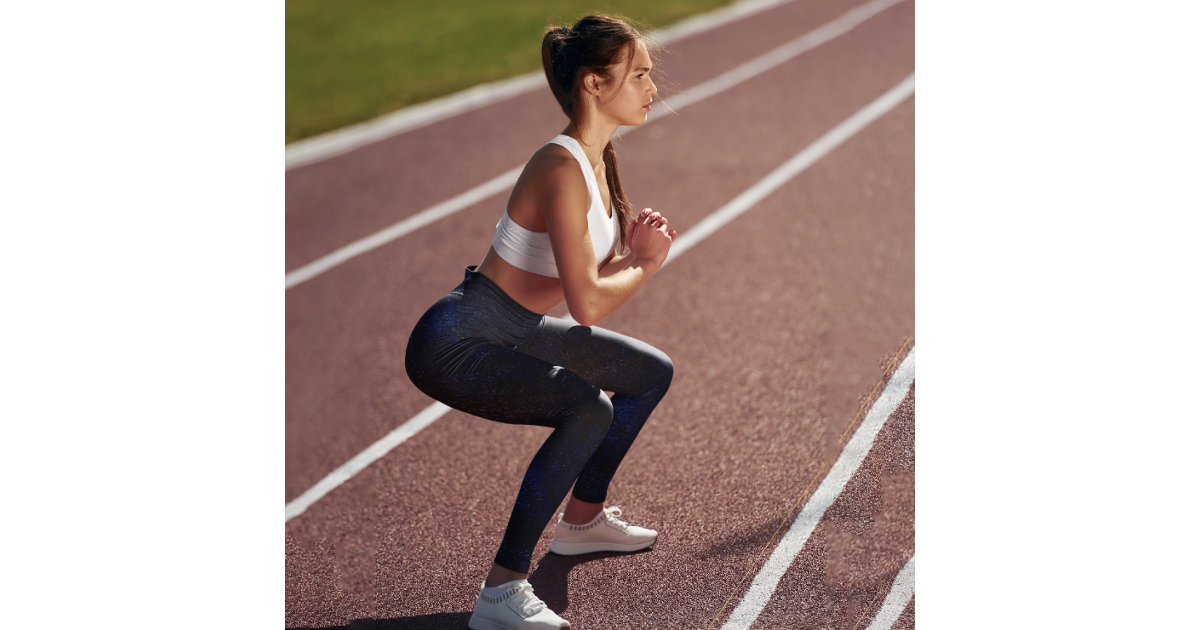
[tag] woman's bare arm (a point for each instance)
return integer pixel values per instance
(590, 294)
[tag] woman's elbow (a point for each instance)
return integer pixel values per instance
(584, 313)
(584, 319)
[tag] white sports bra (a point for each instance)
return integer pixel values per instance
(529, 250)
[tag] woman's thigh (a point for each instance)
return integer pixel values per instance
(606, 359)
(498, 383)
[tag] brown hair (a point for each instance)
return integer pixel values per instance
(592, 45)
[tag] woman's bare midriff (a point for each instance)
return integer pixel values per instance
(535, 292)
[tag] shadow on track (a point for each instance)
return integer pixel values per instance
(549, 580)
(738, 542)
(437, 621)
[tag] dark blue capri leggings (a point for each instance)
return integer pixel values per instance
(479, 351)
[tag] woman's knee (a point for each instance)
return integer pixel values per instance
(592, 413)
(660, 370)
(668, 370)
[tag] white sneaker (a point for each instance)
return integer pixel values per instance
(604, 533)
(517, 608)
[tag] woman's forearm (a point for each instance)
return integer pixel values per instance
(616, 282)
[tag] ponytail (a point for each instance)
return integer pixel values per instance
(616, 192)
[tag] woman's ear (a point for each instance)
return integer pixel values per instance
(592, 83)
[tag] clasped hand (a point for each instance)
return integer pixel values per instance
(649, 237)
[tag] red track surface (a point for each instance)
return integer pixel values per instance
(780, 325)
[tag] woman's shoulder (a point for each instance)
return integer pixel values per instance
(550, 183)
(552, 157)
(554, 166)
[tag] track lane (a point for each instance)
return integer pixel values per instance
(843, 574)
(858, 442)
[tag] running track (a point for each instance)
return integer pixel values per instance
(789, 326)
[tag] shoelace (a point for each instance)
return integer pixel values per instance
(611, 515)
(526, 602)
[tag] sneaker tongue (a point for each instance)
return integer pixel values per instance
(527, 602)
(612, 514)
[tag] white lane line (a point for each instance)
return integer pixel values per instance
(296, 506)
(500, 183)
(810, 40)
(444, 209)
(710, 224)
(793, 167)
(897, 598)
(848, 462)
(346, 139)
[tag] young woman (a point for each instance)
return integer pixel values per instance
(487, 348)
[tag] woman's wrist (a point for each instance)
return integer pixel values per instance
(647, 264)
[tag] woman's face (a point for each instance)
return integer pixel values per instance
(627, 96)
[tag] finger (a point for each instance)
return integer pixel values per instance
(672, 233)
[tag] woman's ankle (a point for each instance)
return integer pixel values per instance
(580, 512)
(500, 575)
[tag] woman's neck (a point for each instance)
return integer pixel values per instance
(593, 138)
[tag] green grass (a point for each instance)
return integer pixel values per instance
(352, 60)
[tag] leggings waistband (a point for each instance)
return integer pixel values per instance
(475, 283)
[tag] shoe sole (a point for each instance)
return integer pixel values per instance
(575, 549)
(479, 623)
